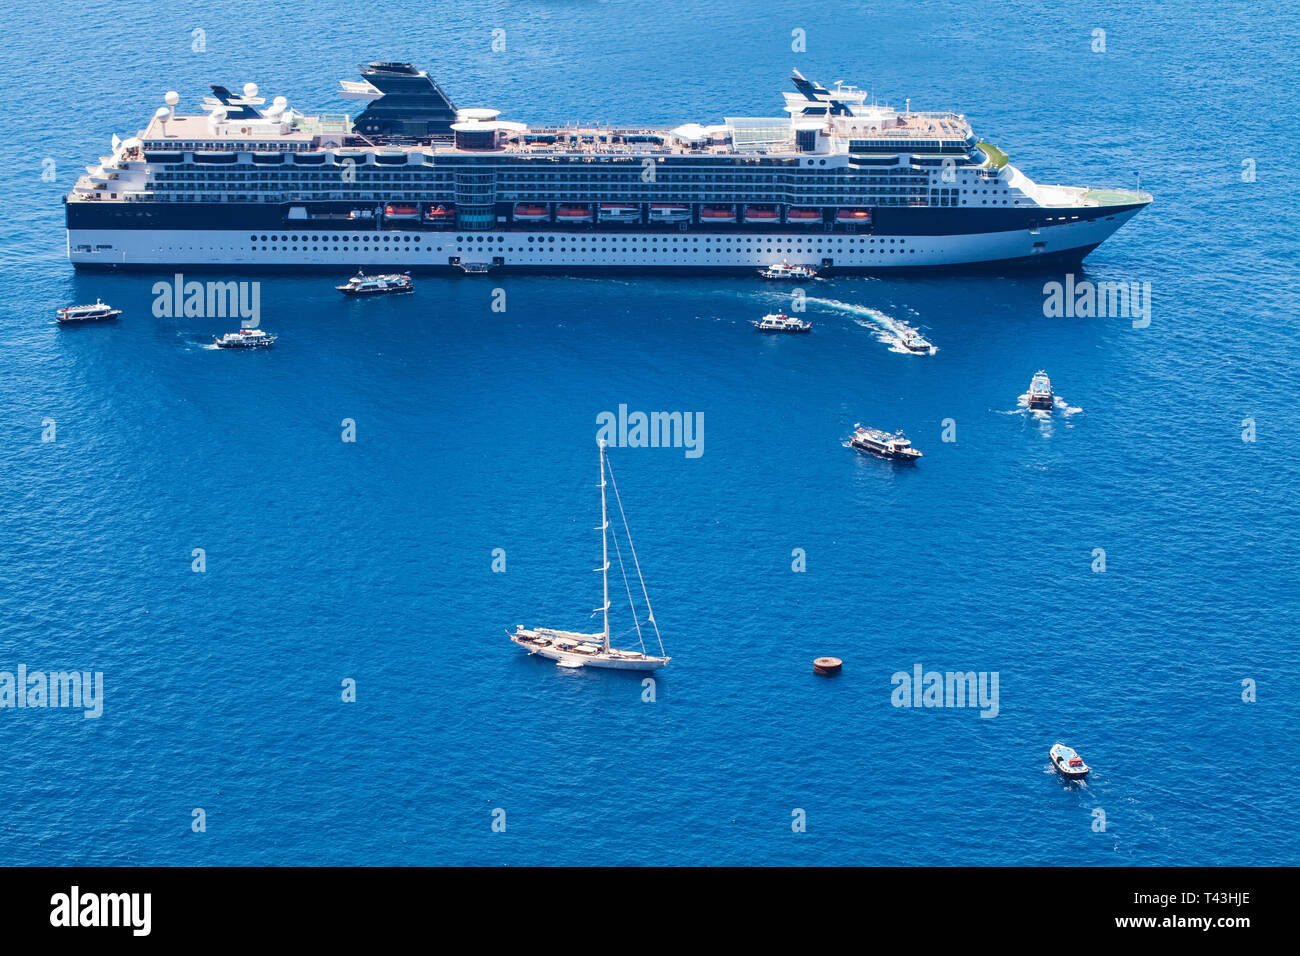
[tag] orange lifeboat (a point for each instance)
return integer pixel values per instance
(853, 215)
(573, 212)
(761, 214)
(439, 213)
(801, 214)
(718, 214)
(402, 210)
(531, 212)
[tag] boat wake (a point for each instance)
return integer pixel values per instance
(1058, 405)
(888, 330)
(1045, 419)
(1065, 407)
(1066, 784)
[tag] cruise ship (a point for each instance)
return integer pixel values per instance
(835, 181)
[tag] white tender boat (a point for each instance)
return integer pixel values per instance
(1040, 392)
(1068, 763)
(913, 341)
(783, 270)
(780, 322)
(882, 444)
(245, 339)
(577, 649)
(87, 313)
(362, 284)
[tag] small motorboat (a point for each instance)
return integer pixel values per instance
(362, 284)
(1040, 392)
(913, 341)
(87, 313)
(1068, 763)
(245, 339)
(780, 322)
(783, 270)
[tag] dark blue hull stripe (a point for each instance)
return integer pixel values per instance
(270, 217)
(1048, 262)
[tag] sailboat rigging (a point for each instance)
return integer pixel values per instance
(576, 649)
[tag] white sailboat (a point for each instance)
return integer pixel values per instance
(576, 649)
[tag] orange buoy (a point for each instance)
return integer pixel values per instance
(827, 665)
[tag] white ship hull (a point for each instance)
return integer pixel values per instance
(564, 251)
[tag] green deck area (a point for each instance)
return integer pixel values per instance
(1116, 197)
(997, 158)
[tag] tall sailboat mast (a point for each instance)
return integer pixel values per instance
(604, 543)
(583, 648)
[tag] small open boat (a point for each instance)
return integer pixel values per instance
(1068, 763)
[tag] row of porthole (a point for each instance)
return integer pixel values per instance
(378, 239)
(333, 249)
(334, 238)
(727, 239)
(644, 249)
(583, 248)
(561, 249)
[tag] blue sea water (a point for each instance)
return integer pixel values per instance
(475, 431)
